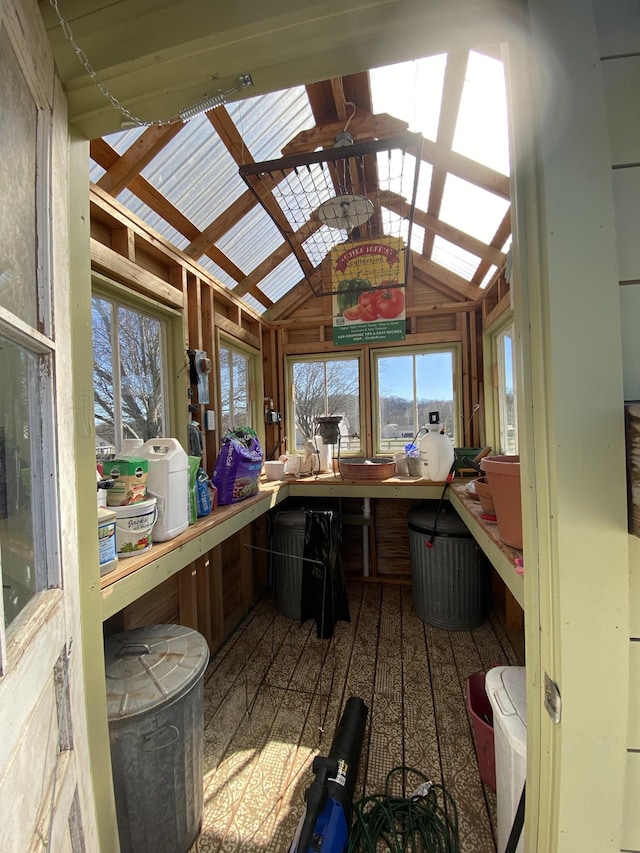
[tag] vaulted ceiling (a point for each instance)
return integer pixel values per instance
(309, 67)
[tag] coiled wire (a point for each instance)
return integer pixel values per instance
(421, 822)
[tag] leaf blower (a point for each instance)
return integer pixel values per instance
(325, 825)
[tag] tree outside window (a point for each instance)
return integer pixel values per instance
(327, 387)
(129, 345)
(235, 383)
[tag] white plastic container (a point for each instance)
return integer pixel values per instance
(168, 482)
(436, 454)
(134, 526)
(507, 692)
(130, 447)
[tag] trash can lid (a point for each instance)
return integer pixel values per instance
(150, 667)
(447, 523)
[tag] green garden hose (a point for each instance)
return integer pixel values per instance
(425, 821)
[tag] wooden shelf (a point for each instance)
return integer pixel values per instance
(135, 576)
(501, 556)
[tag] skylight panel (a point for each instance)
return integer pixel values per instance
(482, 131)
(196, 173)
(472, 209)
(267, 122)
(252, 240)
(280, 280)
(217, 272)
(411, 91)
(454, 258)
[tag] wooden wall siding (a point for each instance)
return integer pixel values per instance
(621, 73)
(159, 606)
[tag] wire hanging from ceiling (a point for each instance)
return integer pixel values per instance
(207, 102)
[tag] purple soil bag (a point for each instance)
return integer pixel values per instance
(237, 469)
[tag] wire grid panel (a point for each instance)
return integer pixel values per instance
(347, 197)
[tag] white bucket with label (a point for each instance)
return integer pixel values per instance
(134, 524)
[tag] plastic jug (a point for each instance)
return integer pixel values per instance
(436, 453)
(168, 482)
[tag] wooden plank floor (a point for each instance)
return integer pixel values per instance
(274, 695)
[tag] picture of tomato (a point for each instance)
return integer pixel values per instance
(352, 313)
(390, 302)
(368, 313)
(368, 298)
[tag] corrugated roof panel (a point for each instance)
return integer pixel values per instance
(472, 209)
(281, 279)
(454, 258)
(196, 173)
(258, 307)
(482, 131)
(152, 219)
(485, 281)
(252, 240)
(219, 274)
(268, 122)
(411, 91)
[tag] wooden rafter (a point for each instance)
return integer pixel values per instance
(450, 105)
(363, 126)
(103, 154)
(137, 156)
(448, 232)
(501, 236)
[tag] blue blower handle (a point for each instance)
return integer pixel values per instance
(325, 826)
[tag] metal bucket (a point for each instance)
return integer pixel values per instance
(155, 681)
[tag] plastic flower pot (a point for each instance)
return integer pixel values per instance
(503, 474)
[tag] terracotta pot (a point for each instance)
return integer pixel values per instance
(503, 474)
(483, 491)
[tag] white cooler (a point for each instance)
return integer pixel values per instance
(507, 692)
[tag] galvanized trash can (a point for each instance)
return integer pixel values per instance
(450, 580)
(155, 681)
(288, 548)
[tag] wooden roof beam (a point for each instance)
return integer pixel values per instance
(129, 165)
(399, 205)
(444, 280)
(103, 154)
(363, 127)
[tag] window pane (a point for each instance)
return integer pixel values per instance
(103, 390)
(327, 387)
(18, 179)
(507, 395)
(235, 381)
(130, 345)
(141, 362)
(411, 385)
(21, 479)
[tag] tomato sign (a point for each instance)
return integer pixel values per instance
(369, 292)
